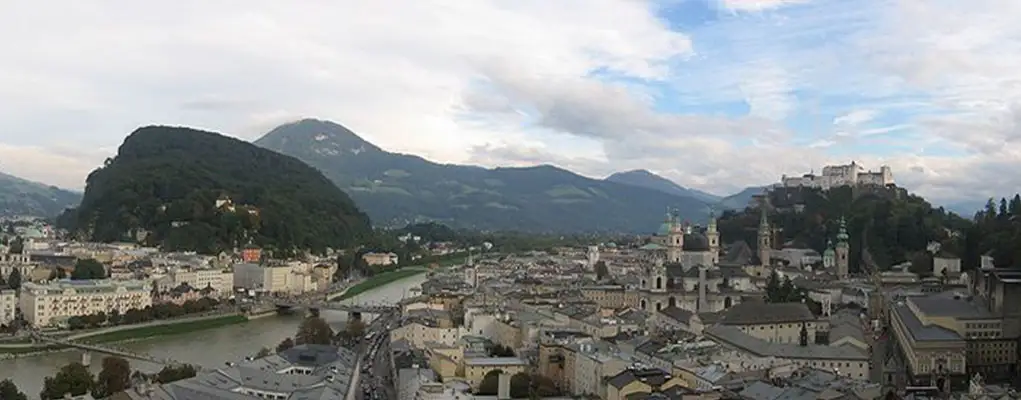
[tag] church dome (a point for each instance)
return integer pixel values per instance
(696, 242)
(664, 229)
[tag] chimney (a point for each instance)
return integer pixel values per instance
(503, 386)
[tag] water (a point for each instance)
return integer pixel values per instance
(208, 348)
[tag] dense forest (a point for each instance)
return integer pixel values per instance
(895, 225)
(185, 189)
(996, 232)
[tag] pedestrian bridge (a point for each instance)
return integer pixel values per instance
(104, 350)
(351, 308)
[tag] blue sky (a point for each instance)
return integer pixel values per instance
(713, 94)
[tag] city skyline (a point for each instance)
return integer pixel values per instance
(715, 95)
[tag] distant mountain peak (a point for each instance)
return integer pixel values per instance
(319, 137)
(648, 179)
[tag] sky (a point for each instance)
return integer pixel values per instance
(713, 94)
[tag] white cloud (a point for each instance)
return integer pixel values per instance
(758, 5)
(504, 83)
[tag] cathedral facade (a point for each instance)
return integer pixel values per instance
(683, 270)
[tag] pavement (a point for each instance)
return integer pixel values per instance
(376, 380)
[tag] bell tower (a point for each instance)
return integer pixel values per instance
(657, 276)
(713, 236)
(841, 250)
(675, 238)
(765, 238)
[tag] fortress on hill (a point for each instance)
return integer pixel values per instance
(832, 176)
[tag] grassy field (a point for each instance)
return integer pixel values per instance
(380, 280)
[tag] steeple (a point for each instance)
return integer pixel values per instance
(765, 238)
(842, 250)
(803, 336)
(713, 236)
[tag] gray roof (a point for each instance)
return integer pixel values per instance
(332, 373)
(950, 305)
(767, 313)
(918, 331)
(732, 336)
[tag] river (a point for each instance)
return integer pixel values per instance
(208, 348)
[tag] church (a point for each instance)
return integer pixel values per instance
(684, 269)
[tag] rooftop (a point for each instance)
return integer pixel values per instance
(919, 331)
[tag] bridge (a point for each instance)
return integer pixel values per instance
(103, 350)
(326, 305)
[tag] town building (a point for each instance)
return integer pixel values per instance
(285, 278)
(53, 303)
(947, 337)
(832, 176)
(8, 306)
(380, 259)
(220, 281)
(301, 372)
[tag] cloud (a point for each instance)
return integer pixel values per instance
(737, 98)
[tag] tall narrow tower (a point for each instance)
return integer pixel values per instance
(714, 238)
(841, 250)
(765, 238)
(675, 239)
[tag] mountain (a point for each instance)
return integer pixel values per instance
(740, 200)
(397, 189)
(20, 197)
(186, 189)
(646, 179)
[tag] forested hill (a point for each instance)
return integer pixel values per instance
(896, 225)
(187, 189)
(997, 232)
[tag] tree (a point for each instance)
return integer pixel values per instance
(490, 383)
(17, 246)
(173, 373)
(10, 391)
(500, 350)
(773, 287)
(285, 344)
(355, 328)
(88, 268)
(58, 273)
(602, 271)
(14, 279)
(113, 378)
(263, 352)
(314, 330)
(74, 379)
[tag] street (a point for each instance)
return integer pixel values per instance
(376, 381)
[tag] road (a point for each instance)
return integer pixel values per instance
(376, 380)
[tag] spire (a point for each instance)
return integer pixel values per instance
(763, 221)
(842, 236)
(712, 220)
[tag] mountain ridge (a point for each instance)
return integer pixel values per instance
(648, 179)
(23, 197)
(396, 189)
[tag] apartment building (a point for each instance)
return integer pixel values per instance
(594, 361)
(8, 305)
(422, 331)
(274, 278)
(222, 282)
(53, 303)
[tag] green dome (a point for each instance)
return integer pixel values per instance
(664, 229)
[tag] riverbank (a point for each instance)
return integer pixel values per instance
(128, 333)
(380, 280)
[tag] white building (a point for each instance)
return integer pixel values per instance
(382, 259)
(54, 302)
(841, 175)
(279, 278)
(8, 305)
(219, 280)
